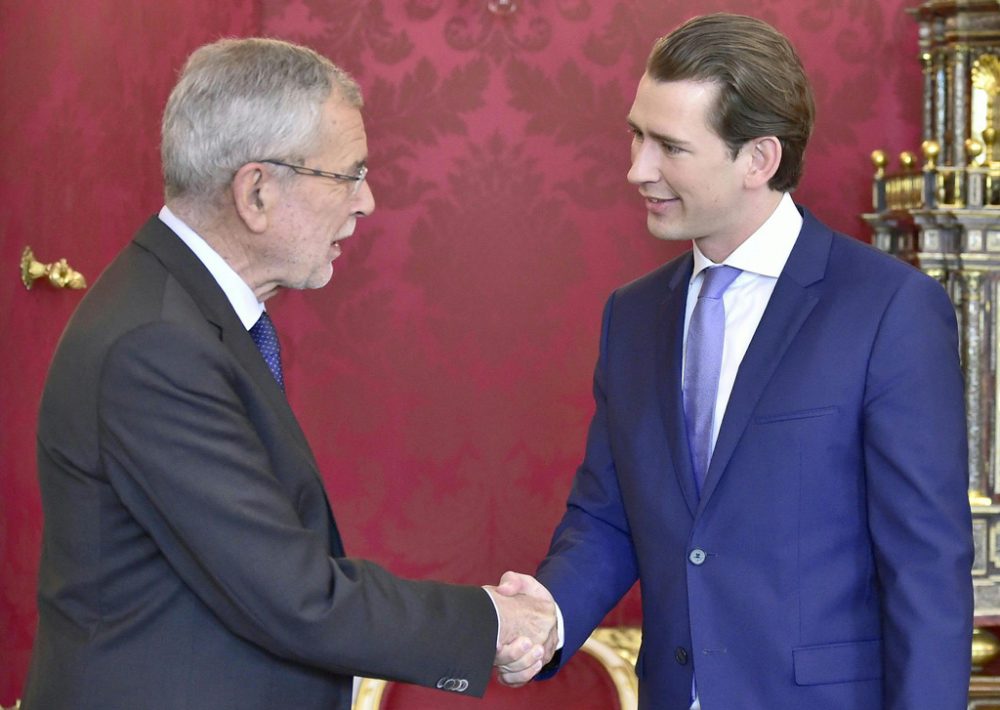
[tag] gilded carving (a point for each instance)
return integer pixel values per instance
(985, 87)
(960, 215)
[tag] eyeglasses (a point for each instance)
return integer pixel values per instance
(355, 180)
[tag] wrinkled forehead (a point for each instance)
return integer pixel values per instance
(342, 133)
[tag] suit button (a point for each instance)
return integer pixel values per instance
(697, 556)
(681, 655)
(459, 685)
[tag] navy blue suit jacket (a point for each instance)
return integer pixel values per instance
(827, 563)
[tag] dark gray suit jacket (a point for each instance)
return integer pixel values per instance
(190, 558)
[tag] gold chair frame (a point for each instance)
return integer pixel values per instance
(615, 649)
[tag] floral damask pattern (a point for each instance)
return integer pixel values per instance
(574, 112)
(443, 377)
(480, 30)
(448, 365)
(352, 25)
(82, 86)
(498, 29)
(499, 258)
(414, 114)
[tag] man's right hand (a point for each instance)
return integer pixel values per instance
(528, 628)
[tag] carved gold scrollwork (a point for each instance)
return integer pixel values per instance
(985, 88)
(986, 74)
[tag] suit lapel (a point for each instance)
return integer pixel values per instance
(669, 354)
(184, 266)
(192, 275)
(791, 303)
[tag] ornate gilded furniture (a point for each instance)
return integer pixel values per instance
(609, 652)
(941, 211)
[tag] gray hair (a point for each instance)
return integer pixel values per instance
(241, 100)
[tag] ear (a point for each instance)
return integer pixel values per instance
(253, 191)
(765, 157)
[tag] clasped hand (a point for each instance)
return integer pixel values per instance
(528, 628)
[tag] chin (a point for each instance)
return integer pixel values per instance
(668, 235)
(665, 231)
(320, 278)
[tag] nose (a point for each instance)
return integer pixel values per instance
(644, 165)
(364, 200)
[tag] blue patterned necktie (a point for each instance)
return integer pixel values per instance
(266, 339)
(702, 364)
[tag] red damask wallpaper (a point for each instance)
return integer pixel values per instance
(444, 375)
(82, 88)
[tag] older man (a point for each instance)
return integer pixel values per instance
(190, 557)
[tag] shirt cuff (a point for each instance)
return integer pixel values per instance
(496, 610)
(560, 626)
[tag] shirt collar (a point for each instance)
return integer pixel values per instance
(765, 251)
(240, 295)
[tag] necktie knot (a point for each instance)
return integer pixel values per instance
(717, 280)
(265, 337)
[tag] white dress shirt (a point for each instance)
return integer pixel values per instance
(240, 295)
(761, 258)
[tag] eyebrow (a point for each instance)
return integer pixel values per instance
(661, 137)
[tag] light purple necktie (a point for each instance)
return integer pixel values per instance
(702, 363)
(265, 337)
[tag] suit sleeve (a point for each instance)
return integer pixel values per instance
(182, 453)
(917, 484)
(591, 561)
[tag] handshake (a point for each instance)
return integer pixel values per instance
(529, 633)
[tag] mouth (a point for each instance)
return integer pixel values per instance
(335, 242)
(659, 204)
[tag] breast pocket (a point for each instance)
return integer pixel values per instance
(810, 413)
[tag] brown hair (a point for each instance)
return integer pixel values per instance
(763, 89)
